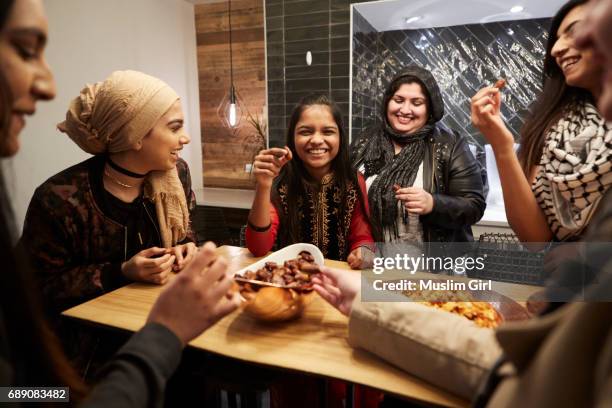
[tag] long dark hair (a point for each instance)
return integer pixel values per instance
(553, 102)
(297, 179)
(33, 351)
(5, 96)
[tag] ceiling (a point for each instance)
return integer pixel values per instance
(390, 15)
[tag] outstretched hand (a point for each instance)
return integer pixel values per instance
(339, 288)
(198, 297)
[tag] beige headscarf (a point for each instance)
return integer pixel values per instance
(112, 116)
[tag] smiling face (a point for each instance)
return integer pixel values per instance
(159, 149)
(23, 65)
(407, 109)
(596, 33)
(579, 66)
(317, 139)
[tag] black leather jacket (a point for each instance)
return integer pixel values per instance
(457, 183)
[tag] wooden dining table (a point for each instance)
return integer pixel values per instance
(315, 343)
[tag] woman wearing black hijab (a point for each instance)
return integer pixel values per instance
(440, 192)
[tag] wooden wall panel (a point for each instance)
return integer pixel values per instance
(225, 152)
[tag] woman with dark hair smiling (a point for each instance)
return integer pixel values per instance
(30, 354)
(564, 163)
(424, 184)
(596, 32)
(309, 192)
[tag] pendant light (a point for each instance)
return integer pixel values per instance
(230, 109)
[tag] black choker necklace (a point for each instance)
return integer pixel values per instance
(121, 170)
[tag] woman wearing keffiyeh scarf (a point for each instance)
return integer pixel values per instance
(554, 187)
(424, 185)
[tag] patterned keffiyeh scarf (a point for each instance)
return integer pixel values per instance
(575, 171)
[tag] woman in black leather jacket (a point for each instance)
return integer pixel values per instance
(424, 184)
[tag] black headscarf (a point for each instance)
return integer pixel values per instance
(375, 151)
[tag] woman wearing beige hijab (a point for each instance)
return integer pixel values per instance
(123, 214)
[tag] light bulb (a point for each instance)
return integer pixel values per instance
(232, 114)
(517, 9)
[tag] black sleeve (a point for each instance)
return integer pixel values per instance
(481, 159)
(464, 202)
(137, 376)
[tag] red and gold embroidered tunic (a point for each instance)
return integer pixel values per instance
(322, 222)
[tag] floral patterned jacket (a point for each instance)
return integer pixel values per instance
(74, 247)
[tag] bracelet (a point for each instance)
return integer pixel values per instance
(258, 229)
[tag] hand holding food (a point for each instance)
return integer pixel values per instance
(339, 288)
(415, 200)
(198, 297)
(487, 118)
(149, 265)
(268, 164)
(184, 254)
